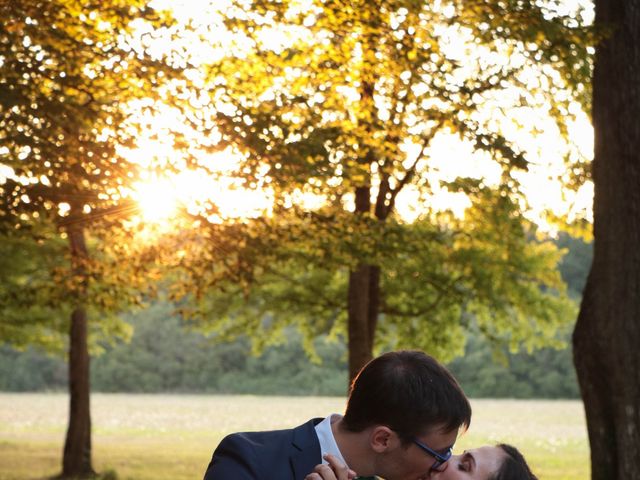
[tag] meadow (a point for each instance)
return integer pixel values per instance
(140, 437)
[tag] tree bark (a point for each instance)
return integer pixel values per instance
(358, 320)
(374, 303)
(77, 448)
(362, 301)
(607, 333)
(363, 309)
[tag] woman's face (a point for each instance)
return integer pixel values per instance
(476, 464)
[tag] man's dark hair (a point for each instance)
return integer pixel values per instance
(409, 392)
(514, 466)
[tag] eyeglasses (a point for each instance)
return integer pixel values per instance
(441, 458)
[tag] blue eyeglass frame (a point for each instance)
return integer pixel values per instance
(440, 458)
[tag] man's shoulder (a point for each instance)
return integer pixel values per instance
(269, 439)
(264, 454)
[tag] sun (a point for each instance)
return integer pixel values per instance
(158, 199)
(161, 199)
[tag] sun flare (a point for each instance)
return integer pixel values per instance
(158, 199)
(161, 199)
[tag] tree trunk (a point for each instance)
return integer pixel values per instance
(607, 333)
(363, 309)
(77, 448)
(363, 301)
(374, 303)
(358, 320)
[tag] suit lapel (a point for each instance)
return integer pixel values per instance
(305, 452)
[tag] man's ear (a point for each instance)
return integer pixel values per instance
(383, 438)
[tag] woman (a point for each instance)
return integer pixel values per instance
(500, 462)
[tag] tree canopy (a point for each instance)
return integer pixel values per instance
(336, 109)
(69, 77)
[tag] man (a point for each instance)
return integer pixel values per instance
(403, 416)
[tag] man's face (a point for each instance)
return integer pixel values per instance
(410, 462)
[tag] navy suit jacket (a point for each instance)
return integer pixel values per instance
(274, 455)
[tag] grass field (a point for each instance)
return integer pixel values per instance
(164, 437)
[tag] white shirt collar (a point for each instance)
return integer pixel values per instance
(327, 440)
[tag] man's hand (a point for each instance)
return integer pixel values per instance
(336, 470)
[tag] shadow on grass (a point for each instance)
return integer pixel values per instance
(106, 475)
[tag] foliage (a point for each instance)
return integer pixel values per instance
(436, 278)
(30, 315)
(170, 362)
(70, 73)
(31, 370)
(548, 373)
(163, 356)
(335, 110)
(575, 264)
(174, 361)
(189, 362)
(35, 286)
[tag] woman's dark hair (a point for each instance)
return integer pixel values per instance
(514, 467)
(409, 392)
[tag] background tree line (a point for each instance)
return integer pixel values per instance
(165, 356)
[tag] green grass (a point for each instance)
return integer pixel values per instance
(172, 436)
